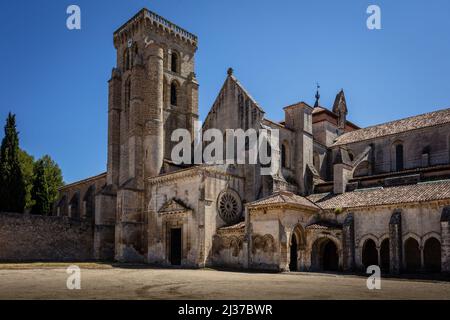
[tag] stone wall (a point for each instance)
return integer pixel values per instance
(43, 238)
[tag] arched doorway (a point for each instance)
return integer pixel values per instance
(385, 256)
(369, 253)
(294, 254)
(412, 255)
(324, 255)
(432, 255)
(330, 256)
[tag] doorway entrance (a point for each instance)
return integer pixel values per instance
(330, 256)
(294, 255)
(175, 246)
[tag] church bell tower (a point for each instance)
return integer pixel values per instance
(152, 91)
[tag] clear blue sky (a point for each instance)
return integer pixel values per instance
(55, 80)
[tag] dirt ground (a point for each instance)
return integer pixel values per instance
(100, 281)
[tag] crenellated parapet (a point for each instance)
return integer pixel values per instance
(146, 19)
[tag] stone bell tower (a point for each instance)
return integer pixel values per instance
(152, 92)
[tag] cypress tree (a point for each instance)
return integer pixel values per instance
(12, 184)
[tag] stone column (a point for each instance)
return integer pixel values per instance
(348, 243)
(445, 240)
(395, 242)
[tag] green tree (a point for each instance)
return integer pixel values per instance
(12, 185)
(27, 166)
(47, 180)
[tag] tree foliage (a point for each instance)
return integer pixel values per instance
(27, 166)
(47, 180)
(12, 184)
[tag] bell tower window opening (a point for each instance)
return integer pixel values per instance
(174, 62)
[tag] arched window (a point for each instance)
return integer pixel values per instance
(399, 157)
(126, 60)
(173, 94)
(174, 62)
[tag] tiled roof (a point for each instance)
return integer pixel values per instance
(421, 121)
(284, 197)
(424, 191)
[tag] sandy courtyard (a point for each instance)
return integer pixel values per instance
(106, 282)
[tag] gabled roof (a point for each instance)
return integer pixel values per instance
(174, 206)
(236, 82)
(283, 198)
(413, 193)
(416, 122)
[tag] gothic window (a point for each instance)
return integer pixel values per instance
(254, 115)
(126, 60)
(173, 94)
(399, 157)
(174, 62)
(229, 206)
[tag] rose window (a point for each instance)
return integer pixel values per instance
(229, 206)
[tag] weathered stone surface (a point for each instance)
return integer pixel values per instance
(43, 238)
(147, 208)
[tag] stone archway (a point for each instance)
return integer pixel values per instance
(330, 257)
(325, 255)
(294, 254)
(385, 255)
(432, 255)
(412, 255)
(369, 253)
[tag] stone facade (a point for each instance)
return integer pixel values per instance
(39, 238)
(344, 197)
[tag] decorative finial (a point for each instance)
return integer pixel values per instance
(230, 71)
(317, 96)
